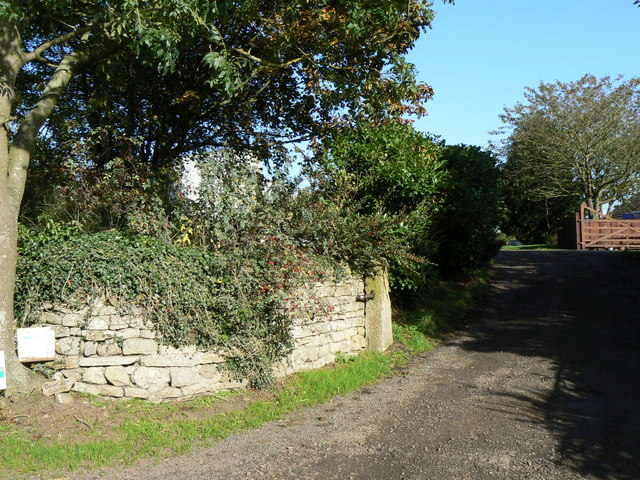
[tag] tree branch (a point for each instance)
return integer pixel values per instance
(253, 58)
(24, 140)
(36, 54)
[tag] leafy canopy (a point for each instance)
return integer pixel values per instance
(579, 138)
(183, 74)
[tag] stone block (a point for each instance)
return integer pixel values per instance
(346, 290)
(90, 348)
(151, 377)
(164, 349)
(94, 375)
(71, 361)
(68, 346)
(65, 398)
(147, 333)
(359, 342)
(135, 321)
(167, 360)
(61, 332)
(111, 391)
(228, 383)
(133, 346)
(210, 372)
(86, 388)
(183, 376)
(108, 349)
(129, 333)
(378, 314)
(60, 385)
(352, 308)
(135, 392)
(322, 351)
(323, 291)
(98, 323)
(102, 310)
(95, 335)
(188, 349)
(73, 320)
(198, 389)
(51, 318)
(74, 375)
(108, 361)
(201, 358)
(116, 322)
(164, 393)
(339, 336)
(117, 375)
(299, 332)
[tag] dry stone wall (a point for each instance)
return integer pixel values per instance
(103, 352)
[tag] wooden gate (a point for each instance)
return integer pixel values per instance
(604, 232)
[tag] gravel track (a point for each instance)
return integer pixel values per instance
(544, 386)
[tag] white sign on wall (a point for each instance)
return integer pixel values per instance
(36, 344)
(3, 373)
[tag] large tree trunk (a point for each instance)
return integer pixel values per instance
(14, 162)
(20, 379)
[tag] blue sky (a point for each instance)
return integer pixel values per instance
(481, 54)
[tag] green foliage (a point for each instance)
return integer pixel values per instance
(178, 74)
(410, 336)
(232, 301)
(236, 206)
(467, 223)
(119, 192)
(390, 165)
(394, 172)
(222, 272)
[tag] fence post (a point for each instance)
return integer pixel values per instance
(378, 313)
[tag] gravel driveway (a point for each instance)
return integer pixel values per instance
(544, 386)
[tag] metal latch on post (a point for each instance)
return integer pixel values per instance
(363, 297)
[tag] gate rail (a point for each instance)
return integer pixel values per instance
(605, 232)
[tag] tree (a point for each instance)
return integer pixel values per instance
(580, 138)
(532, 221)
(184, 74)
(467, 223)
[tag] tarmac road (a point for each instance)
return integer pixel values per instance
(545, 386)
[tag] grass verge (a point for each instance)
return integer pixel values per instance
(537, 246)
(157, 430)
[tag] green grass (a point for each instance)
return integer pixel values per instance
(144, 436)
(538, 246)
(147, 433)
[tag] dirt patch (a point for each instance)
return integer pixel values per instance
(84, 418)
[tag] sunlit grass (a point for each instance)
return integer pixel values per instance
(537, 246)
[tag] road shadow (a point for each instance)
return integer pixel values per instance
(581, 310)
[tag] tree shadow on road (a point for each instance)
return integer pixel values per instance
(581, 311)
